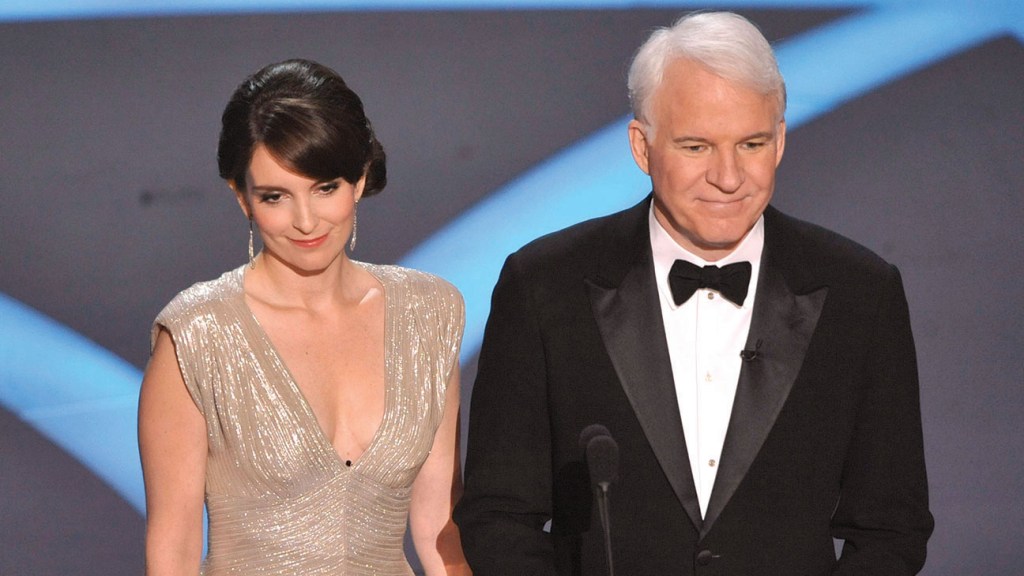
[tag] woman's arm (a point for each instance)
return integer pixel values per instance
(434, 493)
(172, 444)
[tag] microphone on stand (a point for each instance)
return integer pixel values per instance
(602, 455)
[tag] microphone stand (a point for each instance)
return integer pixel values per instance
(601, 491)
(601, 453)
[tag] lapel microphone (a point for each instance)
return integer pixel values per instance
(748, 355)
(602, 455)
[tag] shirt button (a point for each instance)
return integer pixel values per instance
(712, 462)
(707, 377)
(711, 295)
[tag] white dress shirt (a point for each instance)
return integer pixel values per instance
(705, 336)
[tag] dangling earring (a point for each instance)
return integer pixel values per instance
(252, 257)
(355, 221)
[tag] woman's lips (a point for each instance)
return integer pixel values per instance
(313, 243)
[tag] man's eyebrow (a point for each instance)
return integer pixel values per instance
(756, 135)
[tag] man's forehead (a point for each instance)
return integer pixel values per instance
(685, 81)
(760, 114)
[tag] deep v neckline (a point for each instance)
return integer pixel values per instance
(293, 387)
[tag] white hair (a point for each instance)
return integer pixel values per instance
(727, 44)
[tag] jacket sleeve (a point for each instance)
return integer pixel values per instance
(507, 498)
(883, 514)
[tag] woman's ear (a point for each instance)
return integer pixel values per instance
(360, 185)
(243, 201)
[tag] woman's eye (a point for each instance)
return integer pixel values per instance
(270, 197)
(328, 188)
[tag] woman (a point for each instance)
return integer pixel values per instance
(310, 400)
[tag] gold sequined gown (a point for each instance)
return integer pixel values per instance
(279, 498)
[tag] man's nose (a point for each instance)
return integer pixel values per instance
(725, 171)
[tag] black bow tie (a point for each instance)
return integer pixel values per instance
(731, 281)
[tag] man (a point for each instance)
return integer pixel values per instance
(757, 372)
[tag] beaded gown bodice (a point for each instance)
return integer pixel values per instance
(279, 498)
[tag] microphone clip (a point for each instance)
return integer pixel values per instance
(749, 355)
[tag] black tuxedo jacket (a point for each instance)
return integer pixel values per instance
(824, 439)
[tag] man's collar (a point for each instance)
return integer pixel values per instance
(666, 250)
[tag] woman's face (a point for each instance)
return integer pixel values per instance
(304, 223)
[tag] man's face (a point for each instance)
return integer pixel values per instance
(711, 152)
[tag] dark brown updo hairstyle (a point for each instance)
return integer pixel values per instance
(311, 122)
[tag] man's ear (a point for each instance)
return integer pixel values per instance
(638, 144)
(780, 142)
(243, 202)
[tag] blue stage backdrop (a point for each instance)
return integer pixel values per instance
(503, 121)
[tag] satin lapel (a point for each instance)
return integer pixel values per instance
(631, 326)
(783, 323)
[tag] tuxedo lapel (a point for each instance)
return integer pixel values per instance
(780, 330)
(629, 318)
